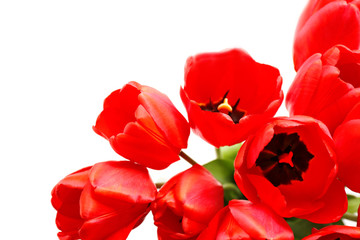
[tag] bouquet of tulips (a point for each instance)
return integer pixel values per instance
(273, 178)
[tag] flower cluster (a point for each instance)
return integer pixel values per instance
(282, 177)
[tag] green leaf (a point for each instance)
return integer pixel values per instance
(353, 204)
(229, 153)
(231, 191)
(302, 228)
(222, 170)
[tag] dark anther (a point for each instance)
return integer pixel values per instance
(225, 95)
(284, 159)
(235, 115)
(237, 103)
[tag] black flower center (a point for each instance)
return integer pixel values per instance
(284, 159)
(224, 107)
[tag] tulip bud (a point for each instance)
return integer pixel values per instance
(186, 203)
(104, 201)
(143, 126)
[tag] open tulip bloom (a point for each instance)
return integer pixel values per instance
(273, 177)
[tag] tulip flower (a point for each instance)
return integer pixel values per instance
(245, 220)
(290, 165)
(143, 126)
(65, 199)
(228, 95)
(326, 87)
(105, 201)
(347, 143)
(323, 24)
(186, 203)
(335, 232)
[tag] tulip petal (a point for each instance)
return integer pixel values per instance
(112, 226)
(205, 191)
(336, 23)
(119, 108)
(153, 154)
(258, 221)
(335, 205)
(122, 180)
(223, 226)
(172, 124)
(347, 142)
(303, 87)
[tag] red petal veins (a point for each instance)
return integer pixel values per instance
(172, 124)
(303, 87)
(135, 138)
(122, 180)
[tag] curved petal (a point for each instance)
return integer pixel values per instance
(336, 23)
(259, 221)
(196, 188)
(335, 205)
(122, 180)
(223, 226)
(119, 108)
(335, 232)
(153, 154)
(302, 89)
(172, 124)
(347, 142)
(112, 226)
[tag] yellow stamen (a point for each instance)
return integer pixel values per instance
(224, 107)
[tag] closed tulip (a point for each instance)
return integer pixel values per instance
(65, 199)
(143, 126)
(290, 166)
(105, 201)
(245, 220)
(325, 23)
(228, 95)
(186, 203)
(326, 87)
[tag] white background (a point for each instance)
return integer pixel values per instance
(60, 59)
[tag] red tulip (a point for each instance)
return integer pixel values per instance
(325, 23)
(228, 95)
(245, 220)
(335, 232)
(347, 143)
(186, 203)
(326, 87)
(105, 201)
(143, 126)
(290, 166)
(65, 199)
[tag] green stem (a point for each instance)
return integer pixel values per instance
(218, 153)
(351, 217)
(187, 158)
